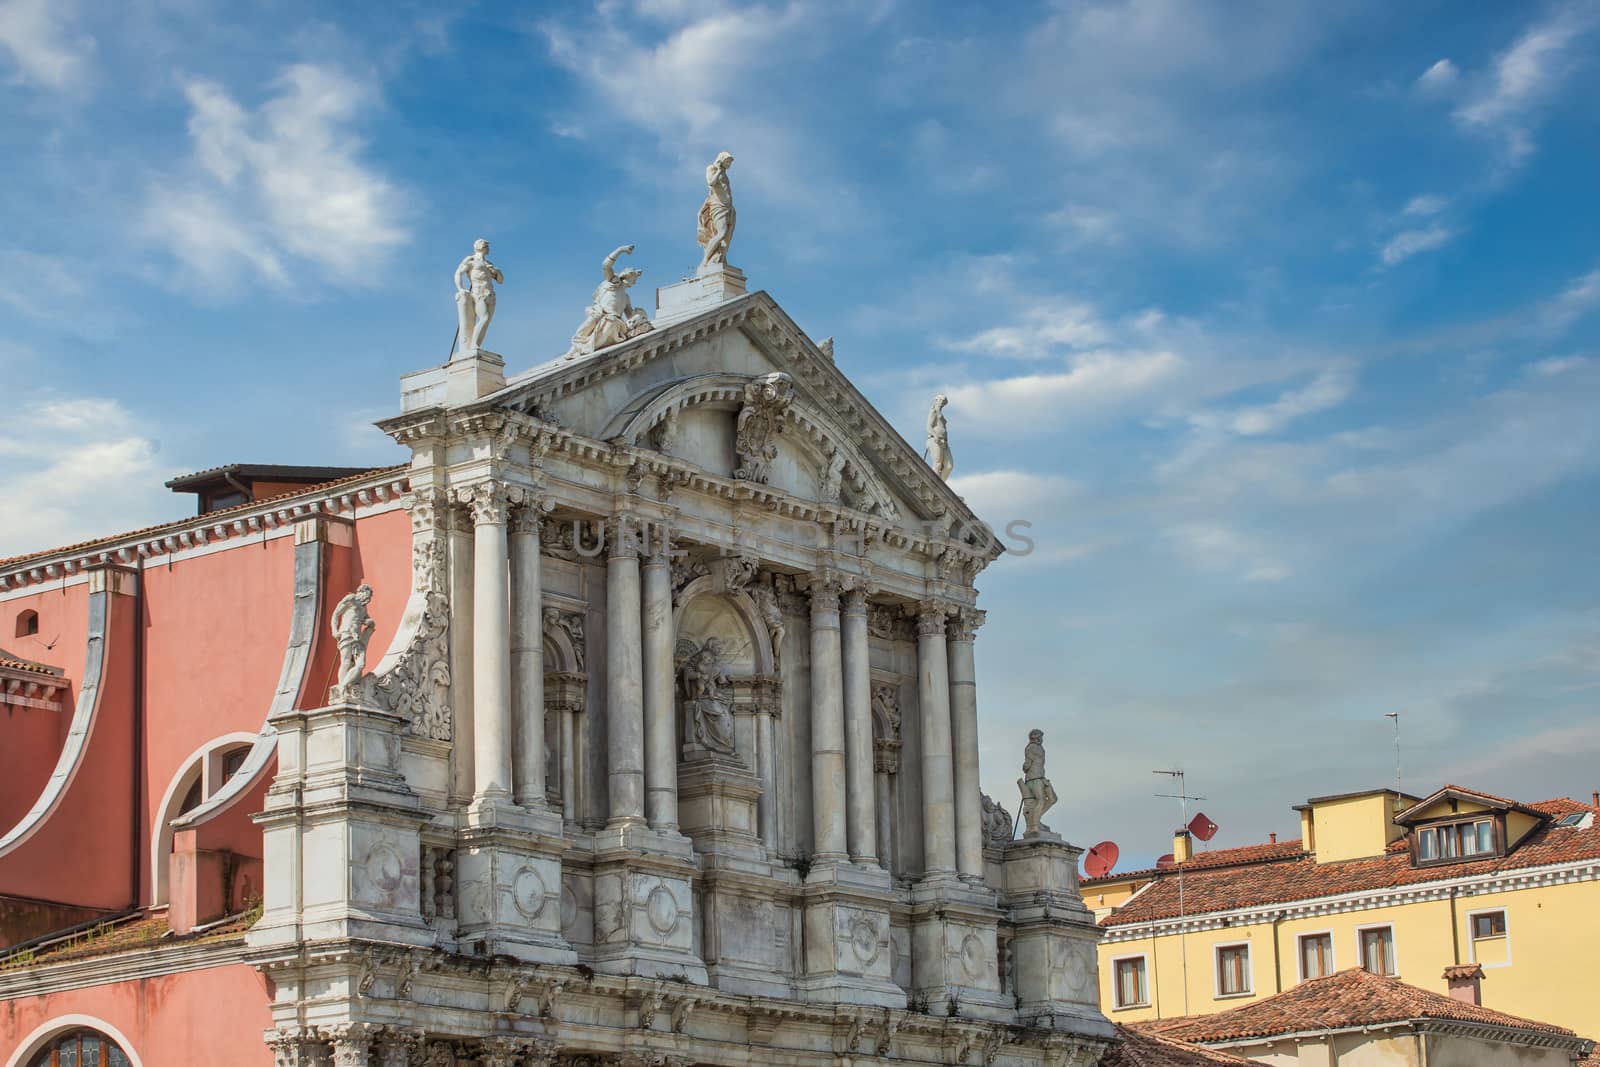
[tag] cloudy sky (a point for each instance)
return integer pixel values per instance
(1277, 322)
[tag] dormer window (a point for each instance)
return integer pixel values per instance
(1451, 841)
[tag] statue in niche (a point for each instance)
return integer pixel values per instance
(352, 629)
(832, 479)
(611, 318)
(717, 217)
(703, 678)
(938, 451)
(761, 419)
(997, 826)
(1038, 796)
(764, 592)
(475, 302)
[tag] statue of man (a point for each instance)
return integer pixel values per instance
(352, 629)
(1038, 796)
(717, 216)
(611, 317)
(765, 594)
(938, 451)
(475, 302)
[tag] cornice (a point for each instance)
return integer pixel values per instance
(149, 962)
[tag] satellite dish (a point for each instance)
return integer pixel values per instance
(1100, 860)
(1164, 862)
(1202, 827)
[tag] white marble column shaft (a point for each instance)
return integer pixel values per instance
(624, 676)
(569, 764)
(964, 725)
(527, 658)
(827, 725)
(660, 719)
(459, 524)
(491, 644)
(860, 801)
(933, 706)
(766, 770)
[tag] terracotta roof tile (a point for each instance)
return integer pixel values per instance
(208, 519)
(1348, 998)
(1144, 1048)
(1272, 880)
(1221, 857)
(17, 663)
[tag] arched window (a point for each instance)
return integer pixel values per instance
(81, 1048)
(27, 623)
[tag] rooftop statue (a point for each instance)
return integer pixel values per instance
(938, 451)
(1038, 795)
(475, 304)
(611, 318)
(717, 216)
(352, 629)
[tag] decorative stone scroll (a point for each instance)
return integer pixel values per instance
(761, 420)
(415, 683)
(998, 829)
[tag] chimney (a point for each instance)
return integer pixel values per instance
(1182, 847)
(1595, 797)
(1464, 981)
(1272, 838)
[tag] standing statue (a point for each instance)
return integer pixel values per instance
(938, 451)
(832, 479)
(1038, 796)
(717, 216)
(352, 629)
(475, 305)
(611, 318)
(764, 592)
(996, 823)
(708, 713)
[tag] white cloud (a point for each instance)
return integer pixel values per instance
(1216, 546)
(1577, 300)
(72, 468)
(1327, 390)
(1408, 243)
(1037, 402)
(1439, 78)
(1427, 204)
(1525, 75)
(1045, 327)
(282, 185)
(1549, 368)
(37, 35)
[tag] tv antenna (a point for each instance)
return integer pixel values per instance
(1395, 716)
(1182, 796)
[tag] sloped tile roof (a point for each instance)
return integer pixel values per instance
(1141, 1048)
(1347, 998)
(127, 933)
(1278, 879)
(17, 663)
(1221, 857)
(210, 518)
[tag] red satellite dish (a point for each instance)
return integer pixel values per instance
(1202, 827)
(1165, 861)
(1100, 860)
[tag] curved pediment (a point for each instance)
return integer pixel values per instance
(824, 465)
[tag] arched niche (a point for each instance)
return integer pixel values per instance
(705, 610)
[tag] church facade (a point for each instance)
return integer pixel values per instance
(667, 752)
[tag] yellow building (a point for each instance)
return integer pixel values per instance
(1398, 885)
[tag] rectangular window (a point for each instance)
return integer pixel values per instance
(1316, 955)
(1377, 950)
(1489, 924)
(1233, 970)
(1131, 989)
(1456, 840)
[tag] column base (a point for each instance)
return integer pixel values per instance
(508, 869)
(1054, 943)
(954, 948)
(644, 918)
(848, 958)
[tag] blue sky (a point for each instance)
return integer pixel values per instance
(1277, 322)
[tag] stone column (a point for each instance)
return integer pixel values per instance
(660, 719)
(860, 801)
(527, 658)
(827, 724)
(459, 523)
(885, 765)
(624, 676)
(491, 644)
(766, 770)
(964, 725)
(569, 763)
(933, 706)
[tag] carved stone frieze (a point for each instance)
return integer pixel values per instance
(886, 708)
(889, 622)
(761, 419)
(571, 623)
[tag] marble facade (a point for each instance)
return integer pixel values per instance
(516, 846)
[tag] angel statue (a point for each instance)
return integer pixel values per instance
(938, 450)
(703, 677)
(611, 318)
(352, 629)
(717, 217)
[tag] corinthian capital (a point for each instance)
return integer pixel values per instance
(964, 624)
(825, 590)
(931, 616)
(623, 535)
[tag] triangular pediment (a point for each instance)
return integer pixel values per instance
(682, 386)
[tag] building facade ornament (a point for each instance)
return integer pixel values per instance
(998, 829)
(760, 421)
(704, 683)
(764, 592)
(352, 629)
(611, 318)
(714, 229)
(475, 301)
(1038, 795)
